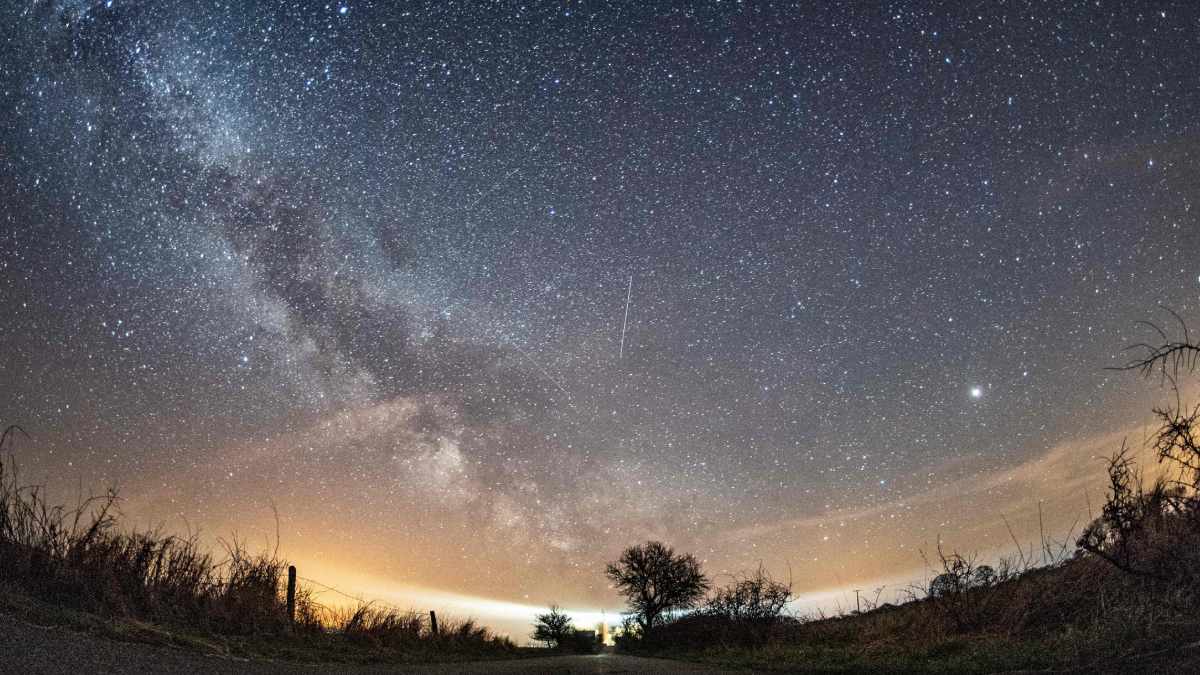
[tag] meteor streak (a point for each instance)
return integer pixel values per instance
(625, 323)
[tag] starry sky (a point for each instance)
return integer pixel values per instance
(477, 293)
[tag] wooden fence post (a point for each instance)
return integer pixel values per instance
(291, 594)
(433, 621)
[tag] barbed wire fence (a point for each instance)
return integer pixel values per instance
(358, 601)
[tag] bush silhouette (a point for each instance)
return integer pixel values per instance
(553, 628)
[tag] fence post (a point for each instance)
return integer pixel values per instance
(433, 621)
(291, 594)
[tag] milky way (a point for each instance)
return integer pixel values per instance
(369, 262)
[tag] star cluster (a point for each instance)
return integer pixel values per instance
(370, 261)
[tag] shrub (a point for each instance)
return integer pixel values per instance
(753, 598)
(553, 628)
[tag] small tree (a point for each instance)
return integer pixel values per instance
(1145, 530)
(1177, 440)
(553, 628)
(655, 581)
(754, 597)
(1129, 513)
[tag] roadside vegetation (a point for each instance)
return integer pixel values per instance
(556, 630)
(1125, 598)
(77, 567)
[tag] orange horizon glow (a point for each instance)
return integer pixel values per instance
(881, 551)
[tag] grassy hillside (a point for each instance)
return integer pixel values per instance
(1081, 613)
(1128, 598)
(1130, 589)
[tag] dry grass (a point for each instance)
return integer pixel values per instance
(79, 558)
(1079, 612)
(392, 628)
(1132, 587)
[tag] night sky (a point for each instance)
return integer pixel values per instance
(369, 262)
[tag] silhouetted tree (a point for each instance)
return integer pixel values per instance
(960, 574)
(754, 598)
(655, 581)
(1149, 531)
(553, 628)
(1177, 440)
(1166, 357)
(1128, 510)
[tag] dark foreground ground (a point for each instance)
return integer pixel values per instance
(38, 650)
(49, 650)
